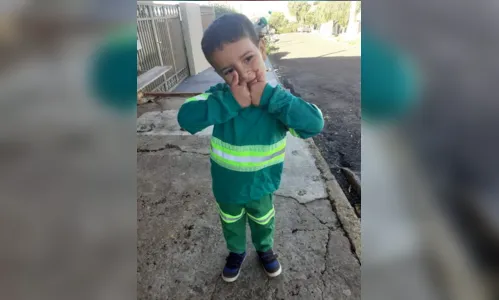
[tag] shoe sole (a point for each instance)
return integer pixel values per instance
(275, 274)
(232, 279)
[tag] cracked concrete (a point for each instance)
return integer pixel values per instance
(321, 209)
(182, 256)
(341, 206)
(181, 250)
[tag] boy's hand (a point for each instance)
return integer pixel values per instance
(256, 89)
(240, 91)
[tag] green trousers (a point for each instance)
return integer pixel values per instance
(261, 218)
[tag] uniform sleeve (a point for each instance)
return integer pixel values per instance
(215, 106)
(303, 119)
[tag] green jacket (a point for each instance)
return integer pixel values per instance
(248, 145)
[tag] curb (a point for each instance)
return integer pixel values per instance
(341, 206)
(353, 179)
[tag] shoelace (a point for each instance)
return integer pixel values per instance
(234, 260)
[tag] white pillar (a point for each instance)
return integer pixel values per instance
(193, 33)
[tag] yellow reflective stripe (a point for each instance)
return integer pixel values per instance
(198, 97)
(230, 218)
(246, 166)
(250, 158)
(265, 219)
(293, 132)
(249, 150)
(246, 159)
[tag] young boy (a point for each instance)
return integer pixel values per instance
(251, 119)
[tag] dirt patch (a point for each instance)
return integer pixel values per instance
(332, 82)
(339, 142)
(341, 148)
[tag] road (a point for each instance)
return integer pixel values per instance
(327, 73)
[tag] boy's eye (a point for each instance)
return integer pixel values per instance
(249, 58)
(228, 71)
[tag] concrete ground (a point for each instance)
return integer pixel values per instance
(326, 73)
(181, 250)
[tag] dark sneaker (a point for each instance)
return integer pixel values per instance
(233, 266)
(270, 263)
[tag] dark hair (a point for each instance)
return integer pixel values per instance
(228, 28)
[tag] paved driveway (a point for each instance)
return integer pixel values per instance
(180, 246)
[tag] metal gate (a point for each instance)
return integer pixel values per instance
(159, 30)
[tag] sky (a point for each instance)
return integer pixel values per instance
(249, 8)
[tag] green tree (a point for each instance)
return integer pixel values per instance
(312, 18)
(221, 9)
(298, 9)
(278, 22)
(334, 11)
(292, 27)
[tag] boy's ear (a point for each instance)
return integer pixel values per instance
(262, 47)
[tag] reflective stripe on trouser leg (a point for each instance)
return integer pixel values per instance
(233, 219)
(227, 218)
(261, 216)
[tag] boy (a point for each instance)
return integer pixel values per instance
(251, 119)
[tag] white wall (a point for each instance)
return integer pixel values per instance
(193, 33)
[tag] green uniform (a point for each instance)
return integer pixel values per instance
(391, 83)
(247, 154)
(112, 77)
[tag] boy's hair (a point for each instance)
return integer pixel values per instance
(228, 28)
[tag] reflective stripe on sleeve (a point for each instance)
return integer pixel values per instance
(198, 97)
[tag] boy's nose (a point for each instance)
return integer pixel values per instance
(244, 72)
(246, 76)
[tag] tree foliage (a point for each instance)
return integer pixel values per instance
(299, 9)
(309, 18)
(325, 11)
(279, 22)
(312, 18)
(221, 9)
(338, 11)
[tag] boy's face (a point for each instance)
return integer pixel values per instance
(242, 57)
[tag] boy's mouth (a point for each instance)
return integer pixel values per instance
(252, 81)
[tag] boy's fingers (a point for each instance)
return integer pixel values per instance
(235, 79)
(243, 82)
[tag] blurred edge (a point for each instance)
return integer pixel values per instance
(451, 263)
(444, 189)
(67, 176)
